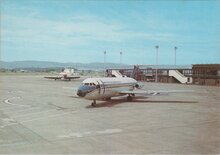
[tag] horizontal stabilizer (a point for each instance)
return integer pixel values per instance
(152, 93)
(52, 77)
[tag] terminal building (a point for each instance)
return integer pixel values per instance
(206, 74)
(197, 74)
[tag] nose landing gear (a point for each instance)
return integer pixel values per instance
(129, 98)
(93, 103)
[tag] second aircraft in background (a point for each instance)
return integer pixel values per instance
(66, 74)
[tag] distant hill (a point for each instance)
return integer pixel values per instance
(47, 64)
(39, 65)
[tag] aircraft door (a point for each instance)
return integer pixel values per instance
(101, 87)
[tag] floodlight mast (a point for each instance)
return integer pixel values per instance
(175, 48)
(157, 47)
(104, 61)
(121, 57)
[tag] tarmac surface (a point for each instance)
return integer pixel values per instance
(42, 116)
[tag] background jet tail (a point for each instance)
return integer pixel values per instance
(72, 71)
(66, 70)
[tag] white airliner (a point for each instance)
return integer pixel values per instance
(107, 87)
(66, 74)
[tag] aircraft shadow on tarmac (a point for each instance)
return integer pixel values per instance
(113, 102)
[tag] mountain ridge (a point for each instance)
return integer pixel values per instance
(51, 64)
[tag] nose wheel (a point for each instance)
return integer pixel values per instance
(93, 103)
(129, 98)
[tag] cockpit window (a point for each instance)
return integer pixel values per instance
(89, 84)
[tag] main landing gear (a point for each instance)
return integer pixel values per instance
(108, 99)
(93, 103)
(130, 97)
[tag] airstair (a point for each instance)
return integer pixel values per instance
(116, 73)
(179, 76)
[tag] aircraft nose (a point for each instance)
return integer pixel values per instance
(80, 93)
(83, 90)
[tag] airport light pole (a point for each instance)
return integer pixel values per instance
(120, 57)
(104, 56)
(157, 47)
(104, 61)
(175, 48)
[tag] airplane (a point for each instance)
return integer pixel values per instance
(66, 74)
(106, 87)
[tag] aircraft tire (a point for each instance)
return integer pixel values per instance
(93, 104)
(129, 98)
(108, 99)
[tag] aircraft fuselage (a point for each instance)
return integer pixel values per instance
(104, 88)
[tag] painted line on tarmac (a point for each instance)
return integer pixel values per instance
(73, 88)
(36, 119)
(10, 108)
(50, 116)
(39, 118)
(109, 131)
(33, 113)
(8, 101)
(90, 133)
(69, 88)
(8, 122)
(9, 111)
(3, 126)
(15, 91)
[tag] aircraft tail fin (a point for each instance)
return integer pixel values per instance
(68, 71)
(72, 71)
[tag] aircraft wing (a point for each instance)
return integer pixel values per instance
(152, 93)
(72, 77)
(52, 77)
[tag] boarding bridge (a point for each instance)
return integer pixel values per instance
(179, 76)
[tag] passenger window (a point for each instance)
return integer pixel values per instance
(98, 86)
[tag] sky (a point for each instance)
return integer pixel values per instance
(80, 31)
